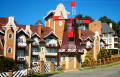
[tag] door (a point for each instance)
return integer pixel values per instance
(71, 62)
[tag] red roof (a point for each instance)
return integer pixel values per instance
(85, 34)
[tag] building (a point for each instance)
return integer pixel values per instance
(106, 33)
(27, 44)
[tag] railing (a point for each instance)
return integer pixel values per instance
(35, 43)
(51, 44)
(100, 62)
(88, 46)
(102, 47)
(21, 44)
(115, 46)
(34, 63)
(21, 59)
(35, 53)
(51, 54)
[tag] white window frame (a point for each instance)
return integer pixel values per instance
(63, 58)
(11, 35)
(34, 50)
(52, 50)
(96, 43)
(20, 65)
(48, 49)
(11, 50)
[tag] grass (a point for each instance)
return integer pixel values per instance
(49, 73)
(102, 66)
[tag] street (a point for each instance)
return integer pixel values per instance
(100, 72)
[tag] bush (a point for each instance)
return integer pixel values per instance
(7, 64)
(113, 51)
(103, 54)
(89, 56)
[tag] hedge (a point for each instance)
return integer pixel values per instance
(7, 64)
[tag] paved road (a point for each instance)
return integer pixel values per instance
(100, 72)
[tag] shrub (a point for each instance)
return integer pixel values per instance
(113, 51)
(7, 64)
(103, 54)
(89, 56)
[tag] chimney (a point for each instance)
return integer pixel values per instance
(110, 25)
(27, 26)
(79, 32)
(39, 30)
(11, 18)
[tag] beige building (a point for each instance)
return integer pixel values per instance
(27, 44)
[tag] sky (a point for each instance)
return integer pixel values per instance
(29, 11)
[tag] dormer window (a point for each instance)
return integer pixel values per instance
(10, 36)
(20, 39)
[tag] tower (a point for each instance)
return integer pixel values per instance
(70, 50)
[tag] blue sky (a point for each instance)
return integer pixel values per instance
(29, 11)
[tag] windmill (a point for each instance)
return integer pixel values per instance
(70, 40)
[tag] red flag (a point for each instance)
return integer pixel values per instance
(86, 21)
(55, 17)
(72, 3)
(70, 34)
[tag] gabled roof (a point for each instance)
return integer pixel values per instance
(22, 30)
(4, 21)
(51, 34)
(36, 35)
(45, 31)
(86, 34)
(107, 29)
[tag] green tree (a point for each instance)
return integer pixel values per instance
(89, 56)
(79, 16)
(103, 54)
(105, 19)
(118, 28)
(7, 64)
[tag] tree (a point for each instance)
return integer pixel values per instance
(89, 56)
(105, 19)
(118, 28)
(7, 64)
(103, 54)
(79, 16)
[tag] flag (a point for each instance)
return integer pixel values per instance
(86, 21)
(55, 17)
(72, 3)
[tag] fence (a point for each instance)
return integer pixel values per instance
(41, 68)
(100, 62)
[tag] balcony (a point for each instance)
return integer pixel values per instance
(21, 59)
(116, 37)
(21, 45)
(35, 53)
(88, 47)
(51, 54)
(115, 46)
(51, 45)
(102, 47)
(35, 44)
(115, 41)
(34, 63)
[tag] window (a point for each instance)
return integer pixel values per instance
(60, 42)
(47, 50)
(53, 51)
(47, 40)
(10, 36)
(96, 43)
(9, 50)
(34, 59)
(42, 49)
(20, 66)
(34, 49)
(53, 59)
(97, 52)
(63, 58)
(20, 53)
(20, 39)
(47, 59)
